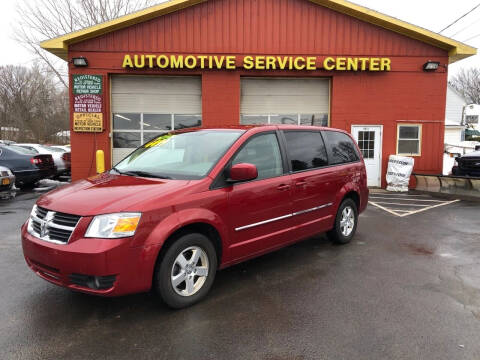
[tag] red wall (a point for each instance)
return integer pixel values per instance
(292, 27)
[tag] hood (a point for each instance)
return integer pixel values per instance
(475, 154)
(107, 193)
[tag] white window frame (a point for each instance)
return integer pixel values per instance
(468, 119)
(269, 116)
(419, 139)
(142, 130)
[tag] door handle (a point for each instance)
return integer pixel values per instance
(301, 183)
(283, 187)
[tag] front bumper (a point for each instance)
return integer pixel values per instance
(3, 182)
(117, 265)
(458, 171)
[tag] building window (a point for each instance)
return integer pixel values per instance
(131, 130)
(471, 119)
(409, 140)
(285, 119)
(366, 143)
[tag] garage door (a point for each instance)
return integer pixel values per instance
(285, 101)
(144, 107)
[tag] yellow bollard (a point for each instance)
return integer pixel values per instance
(100, 157)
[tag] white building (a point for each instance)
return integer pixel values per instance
(458, 116)
(454, 116)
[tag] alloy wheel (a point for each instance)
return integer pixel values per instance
(189, 271)
(347, 222)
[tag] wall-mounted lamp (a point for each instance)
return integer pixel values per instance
(80, 61)
(431, 65)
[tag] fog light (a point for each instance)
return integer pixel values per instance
(431, 65)
(80, 61)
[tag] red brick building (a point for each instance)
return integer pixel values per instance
(186, 63)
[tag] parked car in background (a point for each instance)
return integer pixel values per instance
(65, 148)
(7, 142)
(467, 165)
(27, 166)
(61, 162)
(188, 203)
(7, 179)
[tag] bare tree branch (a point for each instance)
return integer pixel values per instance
(48, 19)
(467, 83)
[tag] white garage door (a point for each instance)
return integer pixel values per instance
(285, 101)
(144, 107)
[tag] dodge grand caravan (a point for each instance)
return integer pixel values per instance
(188, 203)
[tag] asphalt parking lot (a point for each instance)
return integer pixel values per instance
(405, 288)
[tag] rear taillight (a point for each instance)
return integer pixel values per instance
(35, 161)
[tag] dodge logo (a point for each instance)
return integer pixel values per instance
(44, 224)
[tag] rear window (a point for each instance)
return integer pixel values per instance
(340, 148)
(306, 150)
(20, 150)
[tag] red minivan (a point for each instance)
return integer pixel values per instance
(188, 203)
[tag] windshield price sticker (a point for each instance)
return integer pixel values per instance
(158, 141)
(87, 122)
(87, 84)
(87, 103)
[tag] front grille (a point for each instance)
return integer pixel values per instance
(470, 164)
(93, 282)
(52, 226)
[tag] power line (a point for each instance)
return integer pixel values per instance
(471, 38)
(465, 28)
(461, 17)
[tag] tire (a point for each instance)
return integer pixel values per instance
(343, 233)
(189, 288)
(26, 186)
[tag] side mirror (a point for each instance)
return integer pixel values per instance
(243, 172)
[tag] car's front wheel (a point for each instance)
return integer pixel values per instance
(186, 271)
(345, 222)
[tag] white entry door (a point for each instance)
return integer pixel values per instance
(369, 139)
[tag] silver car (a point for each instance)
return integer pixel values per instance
(7, 179)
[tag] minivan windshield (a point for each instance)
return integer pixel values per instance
(183, 156)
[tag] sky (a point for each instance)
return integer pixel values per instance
(430, 14)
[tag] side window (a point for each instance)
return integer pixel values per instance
(409, 140)
(264, 152)
(306, 150)
(340, 148)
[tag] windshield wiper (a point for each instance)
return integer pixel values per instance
(144, 174)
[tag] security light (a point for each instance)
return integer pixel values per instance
(431, 65)
(80, 61)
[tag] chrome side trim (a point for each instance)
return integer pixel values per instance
(263, 222)
(283, 217)
(312, 209)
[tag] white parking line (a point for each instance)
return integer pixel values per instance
(402, 199)
(431, 207)
(392, 203)
(384, 205)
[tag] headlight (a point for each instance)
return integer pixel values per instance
(113, 226)
(30, 225)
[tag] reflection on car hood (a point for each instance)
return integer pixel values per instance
(107, 193)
